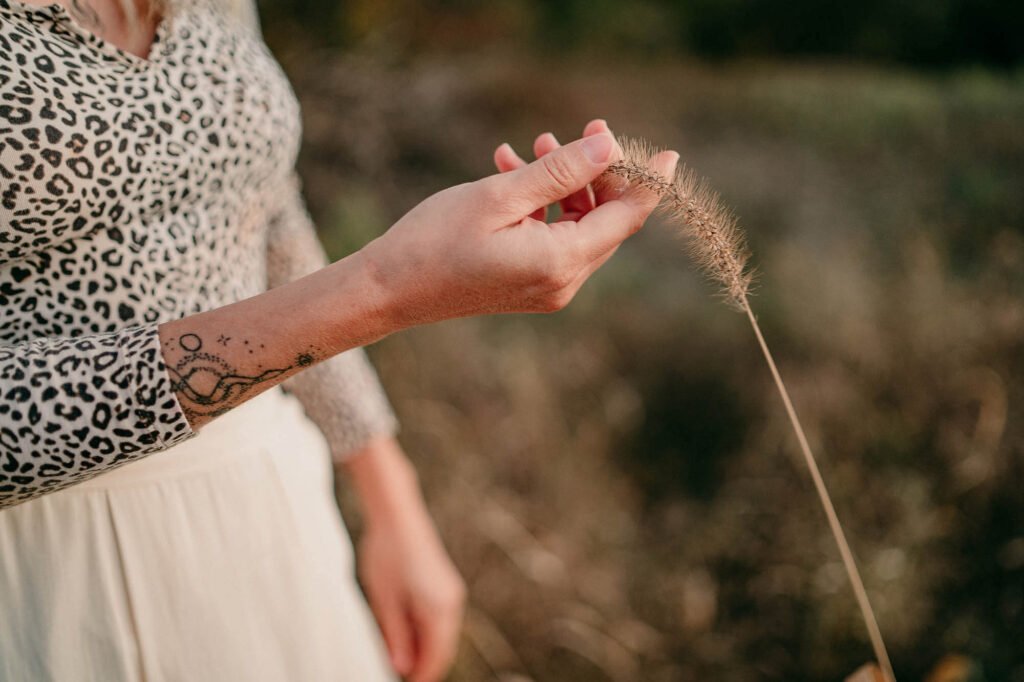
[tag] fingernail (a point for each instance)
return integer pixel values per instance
(598, 148)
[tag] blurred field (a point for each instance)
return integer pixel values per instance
(617, 482)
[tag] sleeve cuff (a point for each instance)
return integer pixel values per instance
(153, 400)
(345, 399)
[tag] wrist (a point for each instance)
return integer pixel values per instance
(386, 483)
(403, 284)
(367, 307)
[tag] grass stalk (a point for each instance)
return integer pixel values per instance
(716, 243)
(830, 511)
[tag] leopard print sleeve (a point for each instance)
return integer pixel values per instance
(72, 408)
(343, 395)
(134, 192)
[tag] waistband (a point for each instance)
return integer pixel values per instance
(258, 424)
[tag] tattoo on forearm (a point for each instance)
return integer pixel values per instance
(208, 385)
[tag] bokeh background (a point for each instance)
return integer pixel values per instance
(617, 482)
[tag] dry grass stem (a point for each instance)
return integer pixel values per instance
(717, 244)
(713, 237)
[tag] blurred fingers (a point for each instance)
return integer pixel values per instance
(506, 159)
(437, 641)
(595, 127)
(545, 142)
(397, 631)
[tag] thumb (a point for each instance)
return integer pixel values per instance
(556, 175)
(612, 222)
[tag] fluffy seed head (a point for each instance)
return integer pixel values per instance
(717, 244)
(713, 237)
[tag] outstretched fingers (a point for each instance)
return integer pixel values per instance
(553, 177)
(573, 206)
(578, 203)
(506, 159)
(598, 125)
(399, 636)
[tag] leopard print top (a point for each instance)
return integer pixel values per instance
(132, 192)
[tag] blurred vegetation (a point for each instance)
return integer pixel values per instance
(920, 32)
(618, 482)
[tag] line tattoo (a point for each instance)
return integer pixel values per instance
(208, 385)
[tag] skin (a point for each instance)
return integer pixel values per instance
(469, 250)
(109, 21)
(473, 249)
(479, 248)
(413, 588)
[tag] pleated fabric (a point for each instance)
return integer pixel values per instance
(223, 558)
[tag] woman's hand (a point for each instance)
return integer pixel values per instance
(576, 205)
(482, 247)
(468, 250)
(413, 588)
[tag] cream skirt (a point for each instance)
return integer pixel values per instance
(222, 559)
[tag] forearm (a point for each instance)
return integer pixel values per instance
(221, 358)
(412, 585)
(385, 482)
